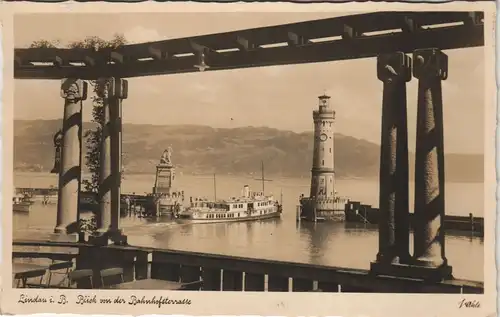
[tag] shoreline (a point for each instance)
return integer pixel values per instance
(210, 175)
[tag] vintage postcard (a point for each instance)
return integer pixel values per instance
(249, 159)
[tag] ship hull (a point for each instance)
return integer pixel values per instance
(190, 219)
(21, 207)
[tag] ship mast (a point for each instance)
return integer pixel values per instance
(215, 189)
(262, 177)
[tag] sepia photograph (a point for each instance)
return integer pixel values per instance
(326, 152)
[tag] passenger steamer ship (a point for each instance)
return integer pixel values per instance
(249, 206)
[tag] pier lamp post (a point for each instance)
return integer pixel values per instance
(57, 154)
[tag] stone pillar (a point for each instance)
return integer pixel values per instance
(108, 227)
(74, 91)
(394, 70)
(104, 191)
(118, 91)
(430, 66)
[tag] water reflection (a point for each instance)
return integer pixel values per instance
(335, 244)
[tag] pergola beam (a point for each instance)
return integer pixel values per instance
(444, 38)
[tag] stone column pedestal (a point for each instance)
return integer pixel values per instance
(108, 222)
(74, 91)
(430, 66)
(394, 70)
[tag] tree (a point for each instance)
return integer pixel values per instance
(93, 136)
(45, 44)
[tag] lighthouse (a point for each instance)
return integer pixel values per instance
(322, 203)
(322, 172)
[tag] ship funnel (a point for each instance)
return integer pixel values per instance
(246, 191)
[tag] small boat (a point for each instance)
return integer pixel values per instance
(249, 206)
(21, 204)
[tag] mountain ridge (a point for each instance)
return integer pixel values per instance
(200, 149)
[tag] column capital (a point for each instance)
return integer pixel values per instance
(430, 62)
(73, 89)
(118, 88)
(394, 67)
(112, 88)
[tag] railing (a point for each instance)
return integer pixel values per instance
(231, 273)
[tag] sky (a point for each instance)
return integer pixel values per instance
(281, 97)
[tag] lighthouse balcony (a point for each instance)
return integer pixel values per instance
(323, 113)
(323, 170)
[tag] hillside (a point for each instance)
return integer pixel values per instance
(202, 149)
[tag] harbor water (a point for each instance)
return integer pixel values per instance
(345, 245)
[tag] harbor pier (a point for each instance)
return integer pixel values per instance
(393, 270)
